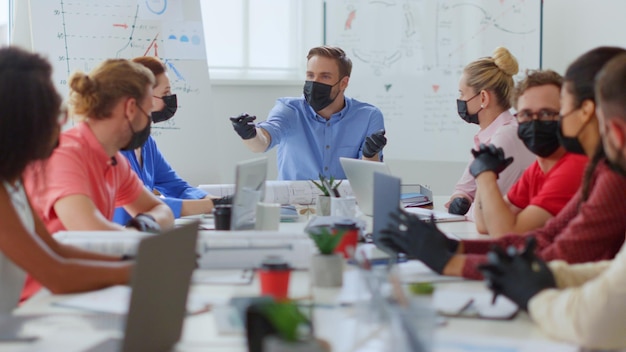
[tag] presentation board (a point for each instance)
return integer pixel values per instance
(408, 56)
(80, 34)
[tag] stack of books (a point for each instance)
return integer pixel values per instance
(415, 200)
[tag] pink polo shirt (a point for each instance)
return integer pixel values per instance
(80, 165)
(502, 132)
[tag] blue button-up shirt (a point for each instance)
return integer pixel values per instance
(308, 144)
(157, 173)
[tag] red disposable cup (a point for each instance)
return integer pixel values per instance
(347, 245)
(274, 275)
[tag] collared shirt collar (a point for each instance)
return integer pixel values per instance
(84, 130)
(484, 135)
(336, 116)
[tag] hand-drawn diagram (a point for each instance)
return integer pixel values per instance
(408, 57)
(81, 34)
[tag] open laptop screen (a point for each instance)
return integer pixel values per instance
(249, 190)
(360, 173)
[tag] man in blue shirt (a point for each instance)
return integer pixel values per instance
(313, 131)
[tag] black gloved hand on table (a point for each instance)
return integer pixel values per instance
(517, 275)
(422, 240)
(223, 200)
(459, 206)
(145, 223)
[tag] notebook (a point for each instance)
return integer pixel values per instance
(250, 178)
(164, 264)
(360, 173)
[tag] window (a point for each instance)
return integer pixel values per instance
(260, 39)
(5, 11)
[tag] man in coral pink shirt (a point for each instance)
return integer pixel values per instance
(86, 177)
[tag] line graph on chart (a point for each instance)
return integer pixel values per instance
(80, 34)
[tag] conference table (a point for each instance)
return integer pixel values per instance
(342, 326)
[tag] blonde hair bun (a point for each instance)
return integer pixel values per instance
(505, 61)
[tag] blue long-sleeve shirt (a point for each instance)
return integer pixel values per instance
(157, 173)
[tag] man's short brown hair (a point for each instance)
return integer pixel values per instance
(535, 78)
(333, 52)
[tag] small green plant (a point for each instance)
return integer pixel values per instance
(287, 319)
(331, 183)
(325, 240)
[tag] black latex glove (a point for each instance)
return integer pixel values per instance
(144, 223)
(243, 125)
(459, 206)
(406, 233)
(517, 275)
(222, 200)
(374, 143)
(488, 158)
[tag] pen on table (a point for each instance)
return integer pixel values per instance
(494, 297)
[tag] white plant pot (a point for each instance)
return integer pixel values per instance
(322, 205)
(327, 270)
(275, 344)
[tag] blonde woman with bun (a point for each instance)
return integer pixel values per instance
(484, 99)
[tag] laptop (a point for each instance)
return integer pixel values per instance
(250, 178)
(160, 284)
(387, 199)
(360, 173)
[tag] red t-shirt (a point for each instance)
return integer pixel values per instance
(552, 190)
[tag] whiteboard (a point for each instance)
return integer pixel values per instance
(80, 34)
(565, 39)
(408, 56)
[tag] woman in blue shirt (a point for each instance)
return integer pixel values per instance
(150, 165)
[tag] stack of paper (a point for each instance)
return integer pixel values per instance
(414, 200)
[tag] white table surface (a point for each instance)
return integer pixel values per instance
(338, 325)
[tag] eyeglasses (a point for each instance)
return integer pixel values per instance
(542, 115)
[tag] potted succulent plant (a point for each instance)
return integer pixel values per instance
(280, 327)
(327, 266)
(328, 188)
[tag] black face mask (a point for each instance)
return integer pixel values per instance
(461, 108)
(571, 144)
(318, 94)
(539, 136)
(171, 104)
(138, 138)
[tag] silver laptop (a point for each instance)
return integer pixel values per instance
(360, 173)
(387, 199)
(249, 190)
(160, 284)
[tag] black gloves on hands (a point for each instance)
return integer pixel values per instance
(144, 223)
(223, 200)
(374, 143)
(243, 126)
(488, 158)
(459, 206)
(406, 233)
(517, 275)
